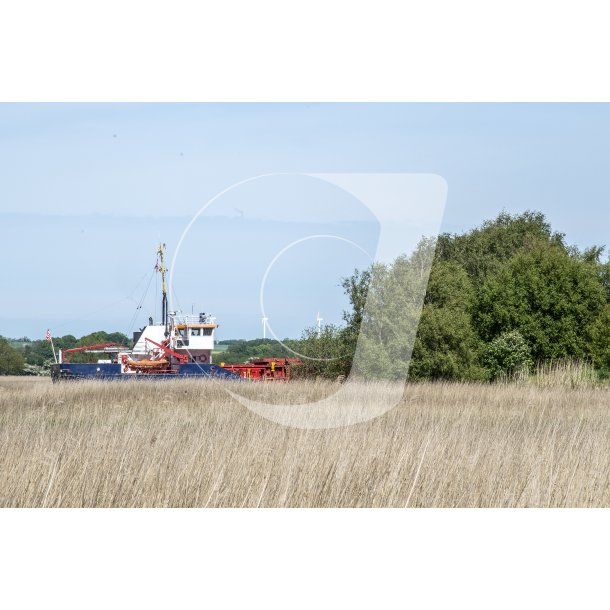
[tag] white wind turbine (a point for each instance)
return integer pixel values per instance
(319, 323)
(265, 327)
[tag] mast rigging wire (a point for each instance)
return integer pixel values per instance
(141, 302)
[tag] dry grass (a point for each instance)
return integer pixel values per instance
(189, 444)
(565, 373)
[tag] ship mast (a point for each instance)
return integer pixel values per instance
(162, 269)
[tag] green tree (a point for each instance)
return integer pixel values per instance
(101, 336)
(599, 341)
(37, 353)
(11, 361)
(393, 308)
(447, 345)
(356, 288)
(450, 286)
(512, 273)
(551, 297)
(484, 250)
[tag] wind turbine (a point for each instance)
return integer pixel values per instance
(319, 323)
(265, 327)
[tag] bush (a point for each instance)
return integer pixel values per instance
(508, 356)
(325, 353)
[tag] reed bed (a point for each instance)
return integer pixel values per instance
(189, 444)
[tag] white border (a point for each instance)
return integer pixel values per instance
(303, 559)
(272, 50)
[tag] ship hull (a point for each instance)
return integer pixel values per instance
(114, 372)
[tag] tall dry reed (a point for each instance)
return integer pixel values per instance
(187, 443)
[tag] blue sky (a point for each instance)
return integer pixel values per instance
(87, 190)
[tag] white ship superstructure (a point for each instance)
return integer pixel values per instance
(191, 336)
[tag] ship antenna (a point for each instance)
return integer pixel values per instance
(162, 269)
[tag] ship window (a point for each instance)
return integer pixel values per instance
(207, 332)
(195, 332)
(181, 332)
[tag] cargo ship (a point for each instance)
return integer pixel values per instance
(179, 346)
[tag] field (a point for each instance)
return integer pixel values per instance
(189, 444)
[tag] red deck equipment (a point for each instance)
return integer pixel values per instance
(264, 369)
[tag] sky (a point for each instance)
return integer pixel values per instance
(88, 190)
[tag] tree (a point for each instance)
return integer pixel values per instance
(450, 286)
(599, 341)
(484, 250)
(390, 318)
(11, 361)
(101, 336)
(552, 298)
(39, 353)
(511, 274)
(447, 346)
(356, 288)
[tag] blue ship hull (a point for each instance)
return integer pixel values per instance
(111, 372)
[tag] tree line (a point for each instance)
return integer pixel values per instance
(489, 303)
(33, 357)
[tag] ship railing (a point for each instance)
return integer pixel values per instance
(180, 318)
